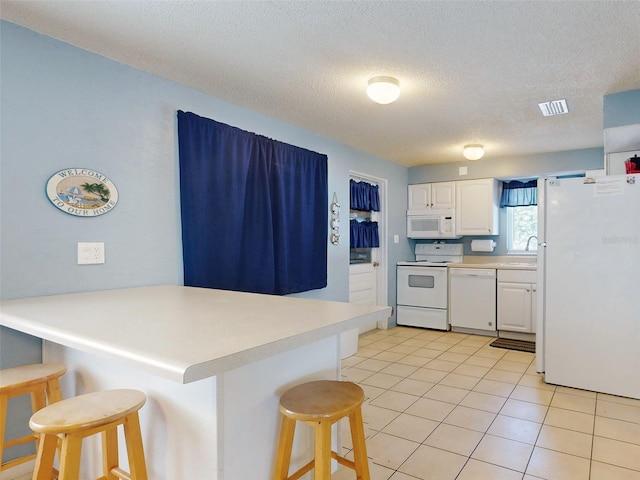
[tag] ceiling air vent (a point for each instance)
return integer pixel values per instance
(555, 107)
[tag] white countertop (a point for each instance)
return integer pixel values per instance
(183, 333)
(498, 265)
(498, 262)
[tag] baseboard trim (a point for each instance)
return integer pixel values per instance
(19, 472)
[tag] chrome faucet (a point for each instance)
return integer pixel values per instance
(529, 241)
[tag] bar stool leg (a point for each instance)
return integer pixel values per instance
(359, 447)
(322, 468)
(46, 453)
(38, 399)
(3, 417)
(70, 456)
(135, 452)
(285, 445)
(109, 453)
(54, 393)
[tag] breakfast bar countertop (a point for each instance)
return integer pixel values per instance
(183, 333)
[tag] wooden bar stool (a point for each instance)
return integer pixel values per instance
(42, 382)
(75, 418)
(321, 404)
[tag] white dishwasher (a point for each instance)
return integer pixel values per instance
(472, 300)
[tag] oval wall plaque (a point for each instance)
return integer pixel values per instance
(82, 192)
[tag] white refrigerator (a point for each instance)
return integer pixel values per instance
(589, 283)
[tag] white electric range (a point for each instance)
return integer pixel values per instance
(422, 286)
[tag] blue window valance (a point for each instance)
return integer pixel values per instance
(253, 210)
(364, 196)
(364, 234)
(519, 194)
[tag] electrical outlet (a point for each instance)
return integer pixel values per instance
(90, 253)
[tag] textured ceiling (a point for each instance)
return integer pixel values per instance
(470, 71)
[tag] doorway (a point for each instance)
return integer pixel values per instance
(368, 267)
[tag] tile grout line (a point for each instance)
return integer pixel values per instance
(477, 348)
(468, 457)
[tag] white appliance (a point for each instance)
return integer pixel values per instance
(588, 279)
(473, 300)
(431, 224)
(423, 288)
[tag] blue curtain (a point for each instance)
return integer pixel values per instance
(363, 234)
(254, 210)
(519, 194)
(364, 196)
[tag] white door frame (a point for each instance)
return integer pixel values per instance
(382, 278)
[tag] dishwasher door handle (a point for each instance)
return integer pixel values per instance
(461, 272)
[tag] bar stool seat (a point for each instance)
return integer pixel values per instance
(75, 418)
(320, 404)
(42, 382)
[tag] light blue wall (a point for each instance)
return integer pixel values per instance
(65, 107)
(621, 109)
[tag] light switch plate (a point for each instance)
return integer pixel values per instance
(462, 170)
(90, 253)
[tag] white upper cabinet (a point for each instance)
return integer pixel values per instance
(427, 196)
(477, 207)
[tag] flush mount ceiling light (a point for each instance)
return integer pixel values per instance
(383, 90)
(474, 151)
(555, 107)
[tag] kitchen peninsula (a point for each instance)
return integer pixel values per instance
(213, 364)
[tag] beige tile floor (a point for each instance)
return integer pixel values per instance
(447, 406)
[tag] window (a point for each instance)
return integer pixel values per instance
(522, 225)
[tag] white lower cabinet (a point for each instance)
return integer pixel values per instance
(516, 297)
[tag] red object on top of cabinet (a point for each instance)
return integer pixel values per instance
(632, 165)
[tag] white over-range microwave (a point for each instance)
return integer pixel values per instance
(431, 224)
